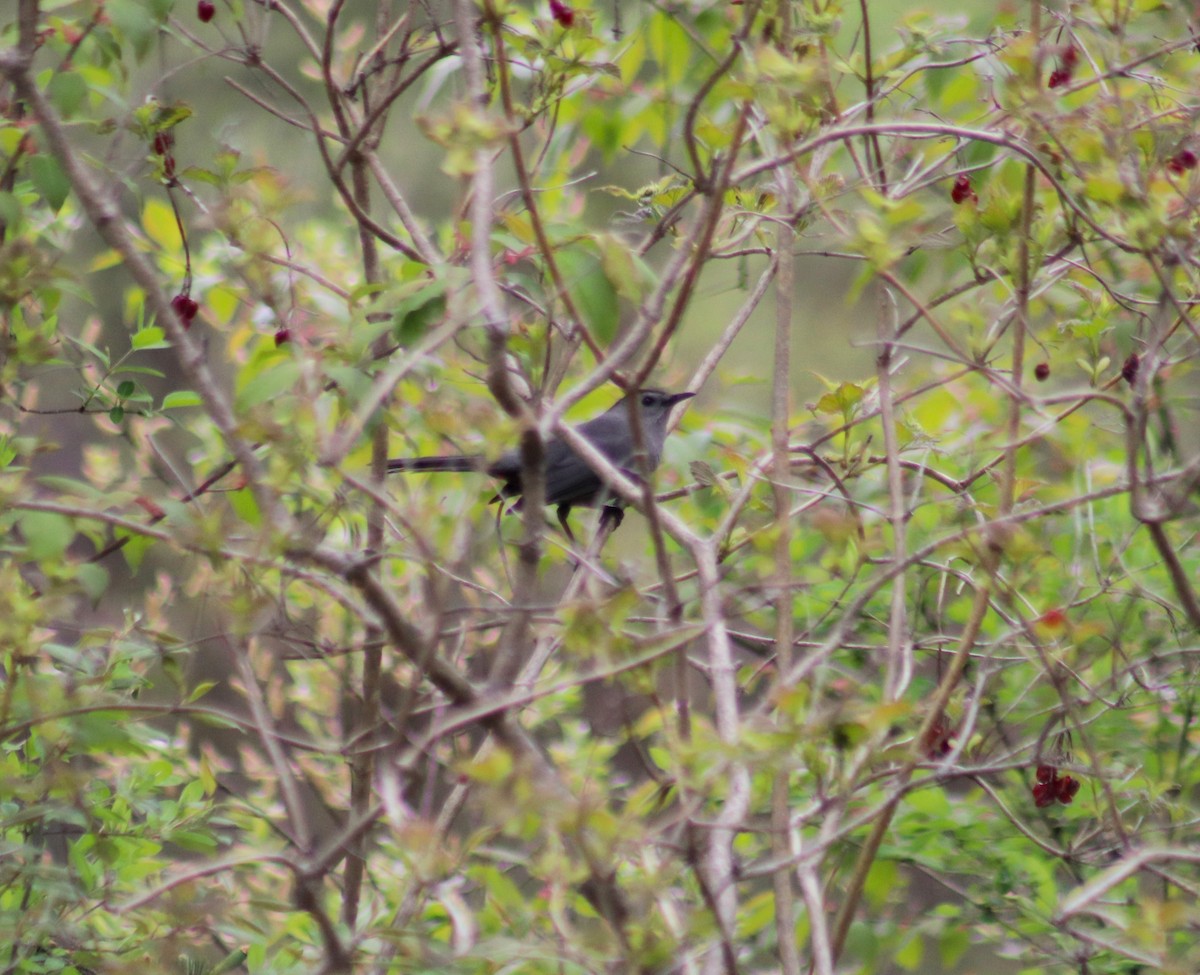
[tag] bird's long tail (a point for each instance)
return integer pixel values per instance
(455, 462)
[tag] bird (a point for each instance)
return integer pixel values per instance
(570, 482)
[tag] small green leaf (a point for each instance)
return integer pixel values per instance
(125, 389)
(591, 290)
(47, 534)
(149, 338)
(50, 180)
(67, 90)
(411, 323)
(93, 579)
(181, 398)
(269, 384)
(200, 690)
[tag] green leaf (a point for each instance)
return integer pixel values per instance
(151, 337)
(50, 180)
(93, 579)
(417, 313)
(591, 291)
(47, 534)
(67, 90)
(180, 399)
(134, 549)
(910, 953)
(952, 945)
(269, 384)
(200, 690)
(245, 506)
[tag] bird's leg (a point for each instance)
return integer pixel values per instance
(613, 515)
(563, 511)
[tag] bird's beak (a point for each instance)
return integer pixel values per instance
(678, 398)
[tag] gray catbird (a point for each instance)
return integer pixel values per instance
(569, 480)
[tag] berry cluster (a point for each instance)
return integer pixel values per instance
(1066, 67)
(185, 307)
(1050, 787)
(1182, 161)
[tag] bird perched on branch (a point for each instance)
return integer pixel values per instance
(570, 482)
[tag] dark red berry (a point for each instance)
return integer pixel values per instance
(282, 335)
(1044, 793)
(163, 142)
(1182, 161)
(563, 13)
(205, 9)
(940, 739)
(962, 190)
(1129, 369)
(1068, 786)
(1053, 618)
(186, 308)
(1046, 773)
(1041, 371)
(1059, 76)
(1070, 55)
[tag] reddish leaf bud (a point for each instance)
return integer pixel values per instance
(1046, 773)
(282, 335)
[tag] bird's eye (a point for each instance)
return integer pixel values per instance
(648, 400)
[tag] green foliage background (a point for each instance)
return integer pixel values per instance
(918, 556)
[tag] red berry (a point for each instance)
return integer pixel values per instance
(185, 307)
(1041, 372)
(1059, 76)
(1044, 794)
(1070, 55)
(1129, 368)
(1068, 786)
(282, 335)
(1182, 161)
(939, 740)
(962, 190)
(205, 9)
(1046, 773)
(1053, 619)
(563, 13)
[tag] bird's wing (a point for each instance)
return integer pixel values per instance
(569, 480)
